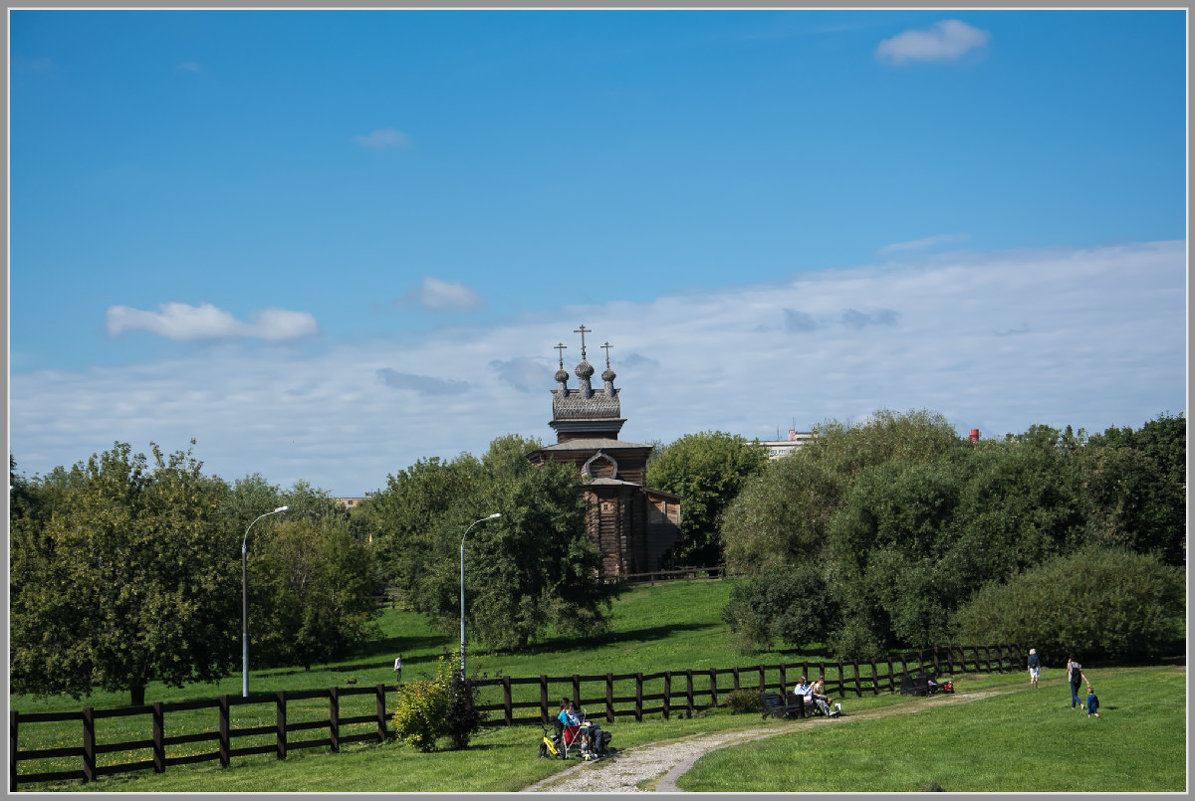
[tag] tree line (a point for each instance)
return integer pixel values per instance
(896, 532)
(126, 568)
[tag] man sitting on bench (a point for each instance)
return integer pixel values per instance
(804, 691)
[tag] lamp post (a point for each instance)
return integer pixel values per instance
(245, 605)
(494, 516)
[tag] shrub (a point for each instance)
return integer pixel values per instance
(744, 701)
(792, 604)
(462, 717)
(444, 704)
(419, 719)
(1098, 603)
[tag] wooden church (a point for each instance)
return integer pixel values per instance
(634, 526)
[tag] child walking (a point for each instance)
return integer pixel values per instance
(1093, 702)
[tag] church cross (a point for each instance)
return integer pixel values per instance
(607, 346)
(582, 331)
(561, 347)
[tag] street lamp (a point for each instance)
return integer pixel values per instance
(494, 516)
(245, 605)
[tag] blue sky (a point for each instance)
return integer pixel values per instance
(326, 244)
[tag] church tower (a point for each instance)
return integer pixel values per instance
(634, 527)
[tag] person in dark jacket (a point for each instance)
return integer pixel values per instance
(1075, 677)
(1034, 667)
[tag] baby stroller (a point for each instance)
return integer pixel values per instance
(586, 740)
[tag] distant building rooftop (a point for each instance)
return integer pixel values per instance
(779, 448)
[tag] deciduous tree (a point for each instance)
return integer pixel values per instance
(125, 580)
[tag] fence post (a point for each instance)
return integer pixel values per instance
(543, 698)
(609, 697)
(667, 692)
(280, 724)
(88, 744)
(380, 694)
(763, 682)
(577, 692)
(858, 681)
(334, 718)
(783, 678)
(159, 728)
(638, 697)
(735, 672)
(224, 745)
(875, 679)
(507, 701)
(12, 750)
(936, 668)
(841, 678)
(688, 693)
(714, 687)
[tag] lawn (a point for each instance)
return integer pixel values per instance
(1027, 741)
(675, 626)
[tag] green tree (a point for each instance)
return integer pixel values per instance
(1131, 502)
(886, 541)
(403, 517)
(707, 470)
(313, 591)
(125, 579)
(792, 604)
(783, 513)
(532, 568)
(1163, 439)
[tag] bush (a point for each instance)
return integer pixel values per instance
(741, 701)
(1098, 603)
(793, 604)
(462, 718)
(444, 704)
(419, 720)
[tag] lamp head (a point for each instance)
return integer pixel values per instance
(282, 508)
(494, 516)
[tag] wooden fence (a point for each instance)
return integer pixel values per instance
(609, 696)
(673, 575)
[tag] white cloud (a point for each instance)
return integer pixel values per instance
(445, 295)
(181, 322)
(1090, 338)
(189, 66)
(924, 244)
(383, 138)
(948, 40)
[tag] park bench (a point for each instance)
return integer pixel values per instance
(782, 706)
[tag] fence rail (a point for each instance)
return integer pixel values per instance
(608, 695)
(673, 575)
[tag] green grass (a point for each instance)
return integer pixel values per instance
(1027, 741)
(668, 626)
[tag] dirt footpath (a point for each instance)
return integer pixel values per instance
(656, 766)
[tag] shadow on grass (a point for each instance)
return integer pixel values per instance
(635, 637)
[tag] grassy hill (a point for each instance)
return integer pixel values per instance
(677, 626)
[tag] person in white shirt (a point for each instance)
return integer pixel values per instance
(804, 690)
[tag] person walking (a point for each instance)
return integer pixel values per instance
(1034, 667)
(398, 669)
(1075, 677)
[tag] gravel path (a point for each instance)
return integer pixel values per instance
(665, 761)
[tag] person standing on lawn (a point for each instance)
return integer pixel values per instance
(1075, 677)
(1034, 667)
